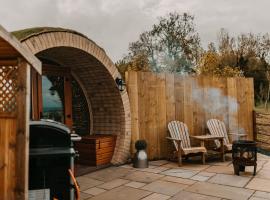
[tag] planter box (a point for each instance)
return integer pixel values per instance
(95, 150)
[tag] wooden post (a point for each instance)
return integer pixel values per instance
(22, 133)
(254, 125)
(132, 87)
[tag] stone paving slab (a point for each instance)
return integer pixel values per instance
(156, 196)
(178, 180)
(184, 195)
(122, 193)
(209, 174)
(113, 184)
(220, 169)
(221, 191)
(200, 178)
(144, 177)
(86, 182)
(264, 173)
(261, 162)
(155, 170)
(226, 163)
(259, 184)
(109, 174)
(128, 166)
(249, 170)
(262, 157)
(158, 162)
(94, 191)
(171, 165)
(182, 173)
(164, 187)
(84, 196)
(264, 195)
(266, 165)
(231, 180)
(195, 167)
(135, 184)
(149, 167)
(256, 198)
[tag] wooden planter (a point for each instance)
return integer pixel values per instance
(96, 150)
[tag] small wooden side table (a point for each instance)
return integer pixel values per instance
(204, 138)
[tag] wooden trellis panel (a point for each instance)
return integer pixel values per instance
(8, 89)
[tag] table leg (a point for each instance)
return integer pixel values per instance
(202, 143)
(222, 154)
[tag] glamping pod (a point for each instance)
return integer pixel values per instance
(78, 87)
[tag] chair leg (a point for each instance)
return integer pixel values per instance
(254, 171)
(222, 153)
(203, 158)
(179, 152)
(179, 158)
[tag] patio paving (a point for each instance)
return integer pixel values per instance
(165, 180)
(144, 177)
(221, 191)
(164, 187)
(230, 180)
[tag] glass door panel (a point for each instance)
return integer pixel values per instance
(53, 98)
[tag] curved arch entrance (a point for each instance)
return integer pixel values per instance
(95, 73)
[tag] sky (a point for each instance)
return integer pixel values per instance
(113, 24)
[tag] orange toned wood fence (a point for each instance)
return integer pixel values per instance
(156, 99)
(263, 130)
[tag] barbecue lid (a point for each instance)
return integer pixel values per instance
(51, 123)
(55, 151)
(49, 134)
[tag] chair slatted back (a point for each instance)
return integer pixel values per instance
(218, 128)
(179, 130)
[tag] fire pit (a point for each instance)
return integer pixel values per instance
(244, 153)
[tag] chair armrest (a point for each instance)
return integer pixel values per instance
(238, 134)
(194, 137)
(175, 139)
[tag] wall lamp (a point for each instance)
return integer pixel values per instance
(120, 84)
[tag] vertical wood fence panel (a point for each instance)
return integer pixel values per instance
(14, 114)
(156, 99)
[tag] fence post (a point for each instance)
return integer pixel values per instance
(254, 125)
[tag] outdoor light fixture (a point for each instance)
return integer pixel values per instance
(53, 90)
(120, 84)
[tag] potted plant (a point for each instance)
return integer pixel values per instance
(140, 158)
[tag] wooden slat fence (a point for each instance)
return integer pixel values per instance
(263, 130)
(157, 99)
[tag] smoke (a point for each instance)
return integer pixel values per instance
(217, 105)
(216, 102)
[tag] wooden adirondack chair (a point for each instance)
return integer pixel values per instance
(218, 128)
(180, 137)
